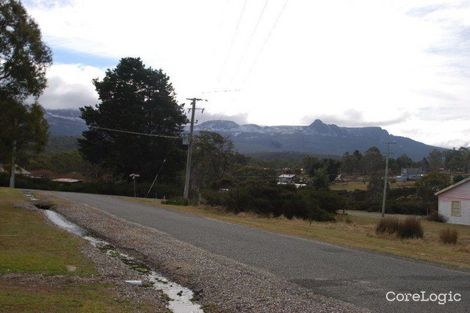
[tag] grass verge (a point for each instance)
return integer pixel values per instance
(34, 256)
(66, 296)
(29, 245)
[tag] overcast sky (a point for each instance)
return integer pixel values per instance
(403, 65)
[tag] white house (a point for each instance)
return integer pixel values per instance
(454, 202)
(286, 179)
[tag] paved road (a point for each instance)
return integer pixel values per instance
(355, 276)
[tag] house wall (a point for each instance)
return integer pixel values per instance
(462, 194)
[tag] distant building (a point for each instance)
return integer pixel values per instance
(454, 202)
(286, 179)
(67, 180)
(410, 174)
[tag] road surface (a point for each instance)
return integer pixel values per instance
(352, 275)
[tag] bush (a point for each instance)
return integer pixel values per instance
(449, 236)
(436, 217)
(389, 225)
(406, 206)
(410, 228)
(274, 200)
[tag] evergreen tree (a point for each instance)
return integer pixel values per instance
(24, 56)
(24, 59)
(134, 98)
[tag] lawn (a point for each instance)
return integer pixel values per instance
(66, 296)
(33, 267)
(358, 230)
(29, 245)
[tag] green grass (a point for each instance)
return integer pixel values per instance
(29, 245)
(66, 296)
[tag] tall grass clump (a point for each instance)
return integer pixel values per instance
(410, 228)
(449, 236)
(387, 225)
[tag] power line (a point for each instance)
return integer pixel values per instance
(268, 37)
(135, 133)
(220, 91)
(235, 34)
(250, 39)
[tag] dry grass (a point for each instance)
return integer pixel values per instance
(359, 232)
(449, 236)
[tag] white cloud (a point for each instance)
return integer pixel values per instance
(70, 86)
(402, 60)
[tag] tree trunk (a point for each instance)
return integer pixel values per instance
(12, 165)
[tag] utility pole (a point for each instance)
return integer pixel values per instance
(190, 147)
(387, 156)
(13, 165)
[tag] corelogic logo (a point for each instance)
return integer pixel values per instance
(423, 296)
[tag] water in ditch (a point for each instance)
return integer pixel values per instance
(180, 297)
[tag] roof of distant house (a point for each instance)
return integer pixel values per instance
(66, 180)
(287, 176)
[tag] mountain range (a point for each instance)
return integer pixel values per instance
(317, 138)
(65, 122)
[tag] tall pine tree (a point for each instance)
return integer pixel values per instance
(136, 98)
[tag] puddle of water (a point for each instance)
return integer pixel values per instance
(60, 221)
(175, 291)
(180, 297)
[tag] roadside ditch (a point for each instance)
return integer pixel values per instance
(180, 299)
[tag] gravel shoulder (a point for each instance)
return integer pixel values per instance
(220, 284)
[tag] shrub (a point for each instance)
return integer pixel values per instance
(436, 217)
(410, 228)
(389, 225)
(449, 236)
(319, 215)
(273, 200)
(406, 206)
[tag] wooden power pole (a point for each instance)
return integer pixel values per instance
(190, 147)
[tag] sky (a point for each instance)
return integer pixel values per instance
(402, 65)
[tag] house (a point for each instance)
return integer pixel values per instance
(410, 174)
(454, 202)
(286, 179)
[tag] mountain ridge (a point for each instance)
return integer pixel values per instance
(316, 138)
